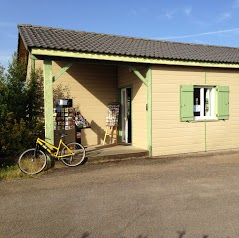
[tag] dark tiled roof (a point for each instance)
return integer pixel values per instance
(80, 41)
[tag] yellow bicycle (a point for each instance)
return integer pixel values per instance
(33, 161)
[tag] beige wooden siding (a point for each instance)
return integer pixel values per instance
(169, 134)
(29, 65)
(38, 64)
(91, 87)
(139, 100)
(224, 134)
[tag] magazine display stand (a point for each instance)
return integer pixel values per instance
(112, 118)
(64, 122)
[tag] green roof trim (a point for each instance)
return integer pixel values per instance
(71, 54)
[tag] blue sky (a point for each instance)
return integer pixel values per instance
(214, 22)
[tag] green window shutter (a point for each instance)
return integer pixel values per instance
(223, 102)
(186, 103)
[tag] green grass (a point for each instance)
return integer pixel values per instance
(11, 172)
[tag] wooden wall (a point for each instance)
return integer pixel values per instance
(92, 87)
(170, 135)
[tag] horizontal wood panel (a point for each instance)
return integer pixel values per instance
(177, 149)
(225, 134)
(167, 127)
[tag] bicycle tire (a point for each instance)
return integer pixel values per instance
(76, 159)
(32, 161)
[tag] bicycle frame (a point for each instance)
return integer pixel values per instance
(49, 147)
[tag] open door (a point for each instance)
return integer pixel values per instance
(126, 115)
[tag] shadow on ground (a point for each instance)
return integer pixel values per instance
(181, 234)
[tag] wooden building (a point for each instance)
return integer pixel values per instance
(174, 96)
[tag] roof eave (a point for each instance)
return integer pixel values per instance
(131, 59)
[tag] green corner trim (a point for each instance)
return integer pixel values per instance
(149, 102)
(48, 101)
(33, 62)
(71, 54)
(205, 75)
(62, 71)
(33, 57)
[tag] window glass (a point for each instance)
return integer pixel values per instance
(196, 102)
(204, 102)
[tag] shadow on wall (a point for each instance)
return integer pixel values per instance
(97, 79)
(101, 80)
(61, 92)
(99, 131)
(98, 82)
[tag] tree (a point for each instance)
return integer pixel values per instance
(3, 90)
(21, 107)
(35, 98)
(15, 88)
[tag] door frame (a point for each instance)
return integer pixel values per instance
(126, 130)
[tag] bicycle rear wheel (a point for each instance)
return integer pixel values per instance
(75, 159)
(32, 161)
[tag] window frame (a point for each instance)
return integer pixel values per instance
(212, 98)
(220, 104)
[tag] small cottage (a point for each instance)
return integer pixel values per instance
(175, 97)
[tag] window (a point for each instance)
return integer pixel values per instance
(204, 102)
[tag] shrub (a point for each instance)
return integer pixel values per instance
(16, 136)
(21, 107)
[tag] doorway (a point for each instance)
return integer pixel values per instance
(126, 111)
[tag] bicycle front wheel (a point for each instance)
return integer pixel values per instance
(77, 158)
(32, 161)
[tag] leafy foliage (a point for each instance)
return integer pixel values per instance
(21, 107)
(15, 135)
(61, 92)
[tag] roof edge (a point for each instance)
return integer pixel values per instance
(126, 36)
(130, 59)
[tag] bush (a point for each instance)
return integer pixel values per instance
(16, 136)
(21, 108)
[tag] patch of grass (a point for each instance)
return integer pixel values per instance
(11, 172)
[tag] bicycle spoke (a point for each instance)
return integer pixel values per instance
(31, 162)
(77, 158)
